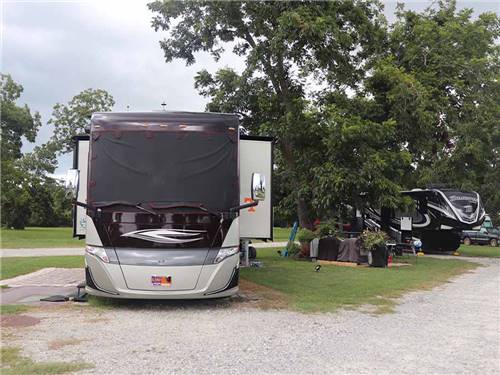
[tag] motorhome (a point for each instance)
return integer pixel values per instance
(164, 201)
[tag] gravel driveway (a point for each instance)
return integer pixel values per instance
(452, 329)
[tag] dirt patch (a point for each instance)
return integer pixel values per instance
(262, 296)
(58, 344)
(18, 321)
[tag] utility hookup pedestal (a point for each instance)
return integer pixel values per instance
(245, 247)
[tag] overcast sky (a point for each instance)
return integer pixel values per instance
(56, 49)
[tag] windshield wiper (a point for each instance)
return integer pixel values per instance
(124, 203)
(186, 205)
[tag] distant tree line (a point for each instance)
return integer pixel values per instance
(357, 106)
(29, 195)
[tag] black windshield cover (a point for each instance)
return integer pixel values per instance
(165, 167)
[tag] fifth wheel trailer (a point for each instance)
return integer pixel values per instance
(163, 200)
(440, 216)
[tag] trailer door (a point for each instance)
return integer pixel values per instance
(256, 157)
(80, 162)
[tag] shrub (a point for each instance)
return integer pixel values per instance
(371, 239)
(293, 249)
(328, 228)
(305, 235)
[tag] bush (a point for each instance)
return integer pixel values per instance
(328, 228)
(305, 235)
(293, 249)
(372, 239)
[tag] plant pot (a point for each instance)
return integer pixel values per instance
(378, 256)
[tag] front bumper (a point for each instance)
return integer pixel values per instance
(214, 281)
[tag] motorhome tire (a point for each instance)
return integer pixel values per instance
(494, 242)
(467, 241)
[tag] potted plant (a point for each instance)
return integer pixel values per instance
(305, 236)
(374, 246)
(327, 229)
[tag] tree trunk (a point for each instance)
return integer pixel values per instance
(303, 214)
(302, 210)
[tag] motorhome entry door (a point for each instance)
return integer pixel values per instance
(256, 157)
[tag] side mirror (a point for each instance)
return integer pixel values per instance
(258, 187)
(71, 183)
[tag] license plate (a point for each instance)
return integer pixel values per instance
(161, 280)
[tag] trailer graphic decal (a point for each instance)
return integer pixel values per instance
(167, 235)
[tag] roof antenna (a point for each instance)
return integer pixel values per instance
(164, 105)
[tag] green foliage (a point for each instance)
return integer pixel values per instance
(286, 46)
(328, 228)
(360, 156)
(372, 239)
(305, 235)
(293, 249)
(29, 196)
(439, 84)
(15, 196)
(16, 121)
(71, 119)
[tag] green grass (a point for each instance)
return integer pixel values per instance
(13, 363)
(479, 251)
(336, 287)
(38, 237)
(281, 234)
(13, 309)
(15, 266)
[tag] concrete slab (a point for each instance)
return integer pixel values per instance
(40, 252)
(51, 277)
(31, 294)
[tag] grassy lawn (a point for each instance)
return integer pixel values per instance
(13, 309)
(479, 251)
(38, 237)
(281, 234)
(14, 363)
(15, 266)
(334, 287)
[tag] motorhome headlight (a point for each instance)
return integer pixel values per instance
(98, 252)
(226, 252)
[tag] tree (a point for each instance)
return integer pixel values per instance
(29, 195)
(72, 118)
(286, 46)
(439, 84)
(16, 122)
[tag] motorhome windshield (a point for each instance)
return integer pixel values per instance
(165, 167)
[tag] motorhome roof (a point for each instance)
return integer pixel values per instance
(162, 116)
